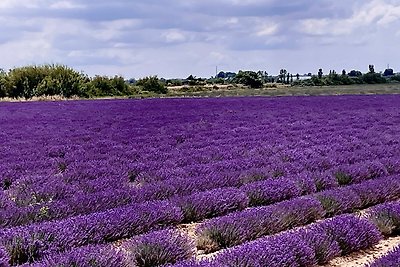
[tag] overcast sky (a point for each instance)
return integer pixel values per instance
(175, 38)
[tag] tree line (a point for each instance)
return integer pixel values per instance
(49, 80)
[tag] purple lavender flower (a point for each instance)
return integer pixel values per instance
(159, 248)
(386, 217)
(29, 243)
(324, 246)
(388, 260)
(4, 259)
(351, 233)
(377, 191)
(271, 191)
(236, 228)
(338, 201)
(281, 250)
(211, 203)
(101, 256)
(312, 245)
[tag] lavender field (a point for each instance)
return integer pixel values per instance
(219, 182)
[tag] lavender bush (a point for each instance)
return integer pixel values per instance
(323, 245)
(281, 250)
(310, 246)
(389, 260)
(211, 203)
(4, 259)
(351, 234)
(386, 217)
(378, 191)
(99, 256)
(159, 248)
(270, 191)
(250, 224)
(30, 243)
(338, 201)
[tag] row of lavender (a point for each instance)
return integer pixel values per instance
(307, 246)
(264, 192)
(27, 244)
(314, 244)
(391, 259)
(78, 182)
(251, 194)
(138, 137)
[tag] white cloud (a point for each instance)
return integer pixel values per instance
(8, 4)
(377, 12)
(138, 38)
(174, 36)
(268, 29)
(66, 5)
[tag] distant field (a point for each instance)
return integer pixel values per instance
(393, 88)
(206, 182)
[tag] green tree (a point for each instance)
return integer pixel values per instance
(320, 73)
(248, 78)
(282, 75)
(3, 83)
(152, 84)
(371, 68)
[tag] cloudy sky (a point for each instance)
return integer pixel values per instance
(175, 38)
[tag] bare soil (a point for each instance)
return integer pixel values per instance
(361, 258)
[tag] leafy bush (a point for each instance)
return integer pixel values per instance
(3, 83)
(248, 78)
(152, 84)
(105, 86)
(50, 80)
(61, 80)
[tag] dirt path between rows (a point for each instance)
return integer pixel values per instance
(360, 258)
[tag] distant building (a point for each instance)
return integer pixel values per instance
(226, 75)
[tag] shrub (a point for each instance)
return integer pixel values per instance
(386, 217)
(391, 259)
(99, 256)
(324, 181)
(4, 259)
(282, 250)
(338, 201)
(270, 191)
(41, 80)
(250, 224)
(152, 84)
(105, 86)
(351, 233)
(324, 246)
(25, 244)
(312, 245)
(159, 248)
(211, 203)
(248, 78)
(378, 191)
